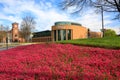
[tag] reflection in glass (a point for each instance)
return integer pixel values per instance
(59, 35)
(63, 34)
(69, 34)
(54, 35)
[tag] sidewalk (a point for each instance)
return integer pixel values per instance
(1, 49)
(3, 46)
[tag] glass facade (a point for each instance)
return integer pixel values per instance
(59, 35)
(69, 34)
(66, 23)
(54, 35)
(62, 35)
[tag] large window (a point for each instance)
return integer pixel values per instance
(61, 35)
(54, 35)
(69, 34)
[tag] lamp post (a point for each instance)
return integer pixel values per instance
(7, 42)
(7, 38)
(102, 19)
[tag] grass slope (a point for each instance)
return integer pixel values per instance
(106, 42)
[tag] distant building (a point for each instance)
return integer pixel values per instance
(95, 35)
(13, 35)
(43, 36)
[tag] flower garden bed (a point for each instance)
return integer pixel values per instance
(59, 62)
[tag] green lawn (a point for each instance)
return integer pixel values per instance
(106, 42)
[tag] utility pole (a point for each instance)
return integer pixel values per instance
(102, 18)
(102, 21)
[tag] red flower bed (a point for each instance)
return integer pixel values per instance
(59, 62)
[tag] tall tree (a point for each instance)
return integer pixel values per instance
(107, 5)
(109, 32)
(27, 26)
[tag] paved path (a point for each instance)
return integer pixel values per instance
(1, 49)
(10, 45)
(15, 45)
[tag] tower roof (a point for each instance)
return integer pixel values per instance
(14, 23)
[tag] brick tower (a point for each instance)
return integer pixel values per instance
(15, 32)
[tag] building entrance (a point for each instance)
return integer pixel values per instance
(62, 35)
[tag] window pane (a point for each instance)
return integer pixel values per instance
(69, 34)
(63, 34)
(54, 35)
(59, 35)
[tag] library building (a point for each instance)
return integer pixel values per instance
(64, 30)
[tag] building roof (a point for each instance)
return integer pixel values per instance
(66, 23)
(42, 34)
(14, 23)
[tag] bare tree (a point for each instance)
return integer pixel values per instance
(3, 32)
(108, 5)
(27, 26)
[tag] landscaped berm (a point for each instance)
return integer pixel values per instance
(59, 62)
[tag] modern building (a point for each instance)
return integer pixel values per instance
(64, 30)
(68, 31)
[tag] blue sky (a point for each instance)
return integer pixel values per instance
(47, 12)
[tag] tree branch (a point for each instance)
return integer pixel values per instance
(117, 5)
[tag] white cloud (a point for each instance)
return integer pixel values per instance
(42, 11)
(93, 21)
(46, 14)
